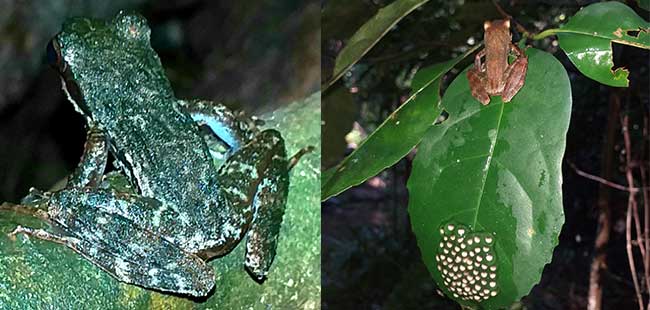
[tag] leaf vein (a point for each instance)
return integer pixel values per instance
(489, 159)
(460, 160)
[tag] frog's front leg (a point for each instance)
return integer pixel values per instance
(477, 80)
(92, 226)
(515, 74)
(91, 168)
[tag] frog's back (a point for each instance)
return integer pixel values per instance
(126, 92)
(161, 147)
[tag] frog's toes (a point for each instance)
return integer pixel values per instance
(255, 270)
(34, 196)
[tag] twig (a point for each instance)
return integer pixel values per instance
(639, 237)
(630, 258)
(646, 211)
(505, 15)
(631, 205)
(525, 33)
(602, 180)
(635, 211)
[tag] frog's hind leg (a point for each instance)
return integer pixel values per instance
(121, 247)
(269, 205)
(253, 185)
(257, 167)
(476, 85)
(44, 235)
(515, 74)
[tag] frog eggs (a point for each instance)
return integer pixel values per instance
(467, 263)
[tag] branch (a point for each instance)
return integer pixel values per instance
(505, 15)
(631, 205)
(602, 180)
(646, 210)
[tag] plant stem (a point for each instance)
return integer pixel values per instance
(543, 34)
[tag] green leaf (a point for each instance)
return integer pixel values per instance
(644, 4)
(396, 136)
(370, 33)
(587, 39)
(494, 172)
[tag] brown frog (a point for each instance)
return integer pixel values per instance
(495, 76)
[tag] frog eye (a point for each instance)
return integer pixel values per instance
(486, 25)
(132, 26)
(54, 53)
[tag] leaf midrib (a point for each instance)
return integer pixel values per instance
(603, 37)
(489, 165)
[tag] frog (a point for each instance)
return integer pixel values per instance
(176, 208)
(495, 76)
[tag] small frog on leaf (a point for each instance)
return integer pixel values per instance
(178, 209)
(496, 76)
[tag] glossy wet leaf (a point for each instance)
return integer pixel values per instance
(370, 33)
(396, 136)
(493, 173)
(587, 39)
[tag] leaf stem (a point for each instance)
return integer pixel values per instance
(543, 34)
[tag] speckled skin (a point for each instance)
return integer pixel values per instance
(185, 210)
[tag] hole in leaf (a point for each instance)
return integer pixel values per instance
(443, 117)
(618, 69)
(633, 33)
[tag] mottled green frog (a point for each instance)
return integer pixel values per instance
(183, 209)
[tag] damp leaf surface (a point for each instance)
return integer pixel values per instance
(495, 172)
(396, 136)
(587, 39)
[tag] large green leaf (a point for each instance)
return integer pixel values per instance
(587, 39)
(370, 33)
(396, 136)
(494, 174)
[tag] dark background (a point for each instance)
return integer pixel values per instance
(370, 258)
(249, 55)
